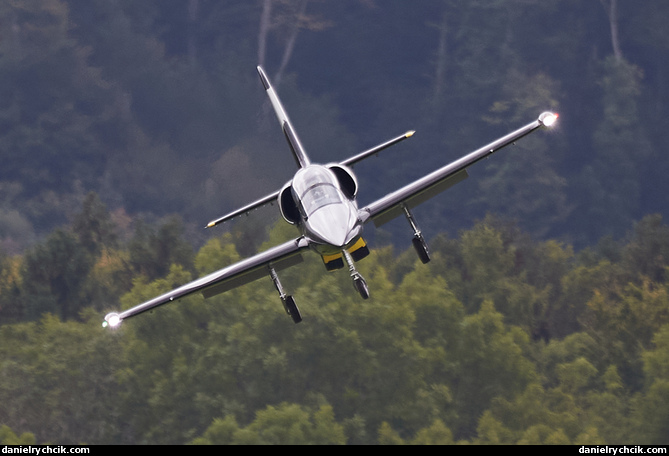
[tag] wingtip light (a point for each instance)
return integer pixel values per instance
(548, 119)
(409, 134)
(112, 320)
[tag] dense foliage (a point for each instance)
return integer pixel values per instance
(500, 339)
(551, 328)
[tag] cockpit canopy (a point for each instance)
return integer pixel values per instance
(315, 187)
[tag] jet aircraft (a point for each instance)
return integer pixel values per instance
(320, 200)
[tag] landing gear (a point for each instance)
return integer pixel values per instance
(358, 281)
(421, 248)
(287, 300)
(291, 309)
(360, 285)
(418, 240)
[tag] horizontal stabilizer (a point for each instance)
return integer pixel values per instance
(269, 199)
(376, 149)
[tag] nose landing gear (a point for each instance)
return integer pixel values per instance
(361, 285)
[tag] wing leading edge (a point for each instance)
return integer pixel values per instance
(392, 205)
(280, 257)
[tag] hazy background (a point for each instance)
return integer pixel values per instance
(156, 106)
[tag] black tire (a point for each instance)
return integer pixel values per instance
(421, 249)
(361, 286)
(292, 309)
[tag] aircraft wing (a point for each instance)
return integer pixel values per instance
(235, 275)
(392, 205)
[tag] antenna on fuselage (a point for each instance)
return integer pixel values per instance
(289, 132)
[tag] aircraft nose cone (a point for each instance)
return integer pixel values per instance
(334, 224)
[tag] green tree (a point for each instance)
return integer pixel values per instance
(486, 261)
(651, 411)
(8, 437)
(388, 436)
(109, 278)
(525, 185)
(436, 434)
(624, 320)
(610, 411)
(59, 379)
(491, 363)
(285, 424)
(93, 225)
(647, 252)
(53, 276)
(221, 432)
(154, 251)
(590, 405)
(12, 307)
(163, 349)
(612, 180)
(535, 416)
(579, 285)
(544, 435)
(490, 431)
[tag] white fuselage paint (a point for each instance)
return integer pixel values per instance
(329, 219)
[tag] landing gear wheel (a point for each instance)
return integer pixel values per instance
(361, 286)
(421, 249)
(292, 309)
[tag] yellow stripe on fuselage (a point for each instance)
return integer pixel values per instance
(329, 258)
(359, 244)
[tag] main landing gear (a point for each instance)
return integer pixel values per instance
(358, 281)
(287, 300)
(418, 240)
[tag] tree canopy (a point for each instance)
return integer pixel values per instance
(500, 339)
(543, 317)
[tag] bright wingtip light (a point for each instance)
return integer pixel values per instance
(548, 119)
(112, 320)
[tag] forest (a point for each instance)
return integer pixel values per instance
(543, 317)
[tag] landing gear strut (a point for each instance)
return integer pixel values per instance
(287, 300)
(418, 240)
(358, 281)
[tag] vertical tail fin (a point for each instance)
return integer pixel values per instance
(293, 141)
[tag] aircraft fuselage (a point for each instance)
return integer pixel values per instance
(329, 218)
